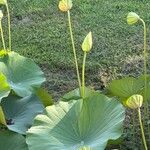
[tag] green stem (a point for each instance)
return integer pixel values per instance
(145, 57)
(2, 35)
(74, 50)
(146, 110)
(9, 30)
(83, 75)
(133, 127)
(142, 130)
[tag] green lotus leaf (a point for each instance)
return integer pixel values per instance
(126, 87)
(75, 94)
(12, 141)
(22, 73)
(20, 112)
(45, 97)
(79, 124)
(4, 87)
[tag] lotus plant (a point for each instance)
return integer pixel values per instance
(135, 102)
(83, 118)
(131, 91)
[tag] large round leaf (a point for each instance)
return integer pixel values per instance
(20, 112)
(4, 87)
(22, 73)
(126, 87)
(12, 141)
(74, 125)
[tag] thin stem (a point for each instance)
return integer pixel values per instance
(133, 127)
(9, 29)
(145, 57)
(83, 75)
(74, 50)
(146, 110)
(142, 130)
(2, 35)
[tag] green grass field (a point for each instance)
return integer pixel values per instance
(40, 31)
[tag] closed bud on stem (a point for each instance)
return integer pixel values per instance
(65, 5)
(132, 18)
(87, 43)
(135, 101)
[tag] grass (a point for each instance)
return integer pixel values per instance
(40, 31)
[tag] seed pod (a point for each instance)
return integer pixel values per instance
(135, 101)
(87, 43)
(65, 5)
(132, 18)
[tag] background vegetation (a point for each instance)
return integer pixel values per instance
(39, 31)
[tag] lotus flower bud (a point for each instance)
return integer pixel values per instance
(65, 5)
(87, 43)
(1, 14)
(135, 101)
(132, 18)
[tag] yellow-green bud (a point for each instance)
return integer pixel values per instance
(65, 5)
(87, 43)
(132, 18)
(135, 101)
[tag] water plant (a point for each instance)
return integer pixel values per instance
(20, 79)
(128, 89)
(135, 102)
(84, 119)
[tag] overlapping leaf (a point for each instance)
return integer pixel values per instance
(22, 73)
(12, 141)
(20, 112)
(75, 94)
(44, 97)
(73, 125)
(126, 87)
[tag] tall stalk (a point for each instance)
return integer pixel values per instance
(83, 75)
(2, 35)
(146, 111)
(142, 129)
(74, 50)
(145, 58)
(9, 26)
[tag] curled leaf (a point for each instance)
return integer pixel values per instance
(132, 18)
(65, 5)
(87, 43)
(135, 101)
